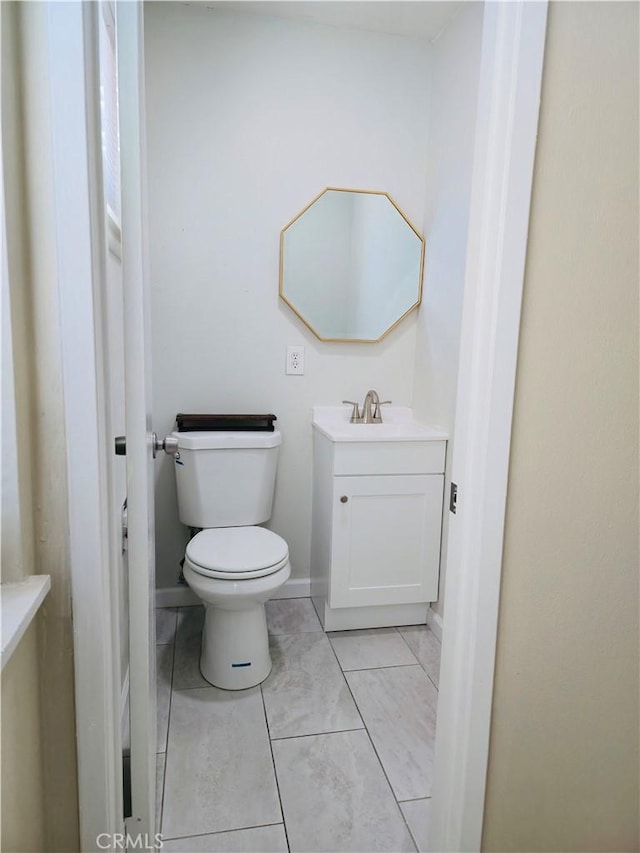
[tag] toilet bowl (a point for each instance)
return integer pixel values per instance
(234, 571)
(225, 481)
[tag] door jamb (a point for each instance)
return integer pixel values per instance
(513, 44)
(513, 48)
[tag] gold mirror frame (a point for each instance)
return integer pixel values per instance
(299, 315)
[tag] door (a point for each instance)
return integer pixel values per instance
(140, 450)
(386, 539)
(513, 43)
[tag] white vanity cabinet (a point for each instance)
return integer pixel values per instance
(376, 527)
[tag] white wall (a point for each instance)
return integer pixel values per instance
(455, 72)
(248, 119)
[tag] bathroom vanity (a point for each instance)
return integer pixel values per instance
(376, 519)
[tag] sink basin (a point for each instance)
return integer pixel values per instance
(398, 425)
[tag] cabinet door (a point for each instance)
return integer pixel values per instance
(386, 539)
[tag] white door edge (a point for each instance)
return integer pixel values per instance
(140, 478)
(508, 107)
(72, 68)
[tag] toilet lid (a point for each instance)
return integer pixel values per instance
(237, 550)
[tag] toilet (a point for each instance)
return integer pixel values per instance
(225, 482)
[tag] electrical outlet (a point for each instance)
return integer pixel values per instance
(295, 361)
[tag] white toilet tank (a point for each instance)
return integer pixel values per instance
(226, 479)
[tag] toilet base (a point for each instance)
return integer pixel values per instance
(235, 647)
(235, 644)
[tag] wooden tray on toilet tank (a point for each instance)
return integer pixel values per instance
(226, 423)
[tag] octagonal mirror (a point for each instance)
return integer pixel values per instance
(351, 265)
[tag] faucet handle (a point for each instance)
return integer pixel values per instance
(356, 418)
(377, 414)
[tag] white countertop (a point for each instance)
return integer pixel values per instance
(19, 604)
(398, 425)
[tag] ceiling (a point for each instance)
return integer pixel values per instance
(418, 18)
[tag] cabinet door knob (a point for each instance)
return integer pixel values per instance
(344, 499)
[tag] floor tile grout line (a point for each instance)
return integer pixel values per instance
(422, 625)
(398, 628)
(375, 751)
(387, 666)
(273, 633)
(415, 655)
(164, 775)
(413, 838)
(316, 611)
(373, 628)
(317, 734)
(393, 793)
(175, 625)
(431, 679)
(429, 676)
(273, 762)
(414, 800)
(406, 642)
(295, 633)
(425, 624)
(167, 642)
(221, 832)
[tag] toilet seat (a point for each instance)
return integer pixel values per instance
(237, 553)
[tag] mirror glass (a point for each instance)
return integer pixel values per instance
(351, 265)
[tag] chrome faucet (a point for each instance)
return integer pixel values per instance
(368, 414)
(371, 413)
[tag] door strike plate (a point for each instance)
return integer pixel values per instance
(453, 498)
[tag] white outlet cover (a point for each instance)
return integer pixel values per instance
(295, 361)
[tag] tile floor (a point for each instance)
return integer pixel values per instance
(333, 752)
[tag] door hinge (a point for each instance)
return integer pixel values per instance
(453, 498)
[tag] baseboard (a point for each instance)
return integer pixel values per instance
(295, 588)
(175, 596)
(182, 596)
(434, 621)
(374, 616)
